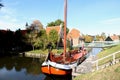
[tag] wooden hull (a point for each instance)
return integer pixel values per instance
(54, 65)
(53, 68)
(54, 71)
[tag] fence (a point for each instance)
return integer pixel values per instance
(112, 61)
(99, 44)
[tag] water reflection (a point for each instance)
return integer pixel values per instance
(21, 75)
(31, 65)
(52, 77)
(22, 68)
(95, 51)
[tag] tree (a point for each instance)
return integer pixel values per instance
(31, 37)
(37, 40)
(100, 37)
(19, 40)
(88, 38)
(41, 40)
(53, 37)
(58, 22)
(44, 38)
(55, 23)
(18, 36)
(97, 37)
(51, 24)
(9, 39)
(35, 26)
(32, 34)
(103, 35)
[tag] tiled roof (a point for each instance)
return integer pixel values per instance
(74, 33)
(108, 39)
(23, 32)
(57, 28)
(3, 31)
(114, 37)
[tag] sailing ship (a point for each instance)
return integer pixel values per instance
(62, 64)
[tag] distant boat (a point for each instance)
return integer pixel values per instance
(62, 64)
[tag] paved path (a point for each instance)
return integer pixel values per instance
(85, 66)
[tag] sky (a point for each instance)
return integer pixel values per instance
(88, 16)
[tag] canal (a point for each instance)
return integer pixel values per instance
(95, 51)
(24, 68)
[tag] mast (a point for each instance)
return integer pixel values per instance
(65, 24)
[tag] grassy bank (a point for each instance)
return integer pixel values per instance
(108, 51)
(110, 73)
(39, 51)
(57, 51)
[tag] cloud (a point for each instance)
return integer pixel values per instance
(8, 14)
(8, 18)
(10, 25)
(110, 26)
(14, 20)
(6, 10)
(113, 21)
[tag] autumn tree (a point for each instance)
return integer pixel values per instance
(103, 35)
(96, 38)
(36, 26)
(100, 37)
(88, 38)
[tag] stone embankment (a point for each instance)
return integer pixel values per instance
(85, 66)
(89, 65)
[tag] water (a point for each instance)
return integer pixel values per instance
(23, 68)
(95, 51)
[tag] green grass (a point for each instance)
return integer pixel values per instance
(117, 69)
(56, 51)
(39, 51)
(110, 73)
(108, 51)
(106, 60)
(117, 55)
